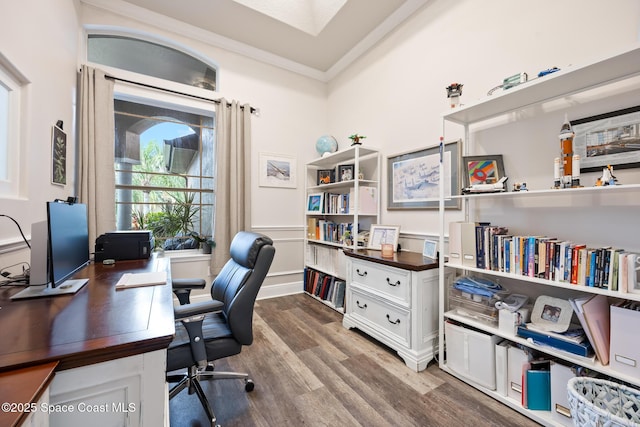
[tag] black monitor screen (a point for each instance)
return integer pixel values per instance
(68, 240)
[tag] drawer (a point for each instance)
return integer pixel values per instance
(388, 281)
(389, 321)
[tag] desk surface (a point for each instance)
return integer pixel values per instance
(411, 261)
(94, 325)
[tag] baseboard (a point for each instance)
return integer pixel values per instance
(271, 291)
(280, 290)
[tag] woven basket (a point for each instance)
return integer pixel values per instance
(600, 403)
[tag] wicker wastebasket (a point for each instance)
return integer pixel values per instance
(601, 403)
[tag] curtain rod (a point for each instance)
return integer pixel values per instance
(254, 110)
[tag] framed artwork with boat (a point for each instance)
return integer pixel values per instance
(413, 178)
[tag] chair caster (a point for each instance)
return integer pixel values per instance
(249, 385)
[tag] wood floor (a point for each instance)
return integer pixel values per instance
(310, 371)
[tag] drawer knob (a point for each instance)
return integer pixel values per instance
(396, 322)
(363, 306)
(393, 284)
(361, 274)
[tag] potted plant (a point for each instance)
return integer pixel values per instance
(206, 242)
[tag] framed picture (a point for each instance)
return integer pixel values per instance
(487, 169)
(346, 172)
(414, 178)
(608, 139)
(58, 156)
(277, 170)
(326, 176)
(315, 203)
(379, 234)
(430, 249)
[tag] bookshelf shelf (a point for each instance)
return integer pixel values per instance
(594, 216)
(569, 192)
(545, 282)
(351, 205)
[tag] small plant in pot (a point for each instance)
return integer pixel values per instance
(206, 242)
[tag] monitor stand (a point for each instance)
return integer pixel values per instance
(70, 286)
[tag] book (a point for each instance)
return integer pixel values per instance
(583, 349)
(132, 280)
(575, 333)
(538, 389)
(596, 314)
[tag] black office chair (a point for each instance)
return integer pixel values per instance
(215, 329)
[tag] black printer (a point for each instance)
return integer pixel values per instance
(120, 245)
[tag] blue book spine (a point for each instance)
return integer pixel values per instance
(592, 269)
(507, 255)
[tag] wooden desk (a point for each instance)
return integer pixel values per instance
(20, 387)
(85, 332)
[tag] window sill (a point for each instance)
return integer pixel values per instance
(185, 255)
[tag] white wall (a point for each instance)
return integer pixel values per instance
(395, 94)
(40, 39)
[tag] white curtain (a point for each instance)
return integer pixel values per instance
(233, 177)
(96, 153)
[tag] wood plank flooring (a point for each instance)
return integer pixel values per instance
(310, 371)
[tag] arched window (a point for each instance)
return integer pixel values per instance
(151, 59)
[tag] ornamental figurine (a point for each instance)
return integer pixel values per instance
(355, 139)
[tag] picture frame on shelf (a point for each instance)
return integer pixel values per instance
(277, 170)
(430, 249)
(326, 176)
(379, 234)
(413, 177)
(315, 202)
(346, 172)
(484, 169)
(608, 139)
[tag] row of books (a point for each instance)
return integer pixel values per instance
(489, 247)
(326, 258)
(345, 203)
(325, 286)
(327, 231)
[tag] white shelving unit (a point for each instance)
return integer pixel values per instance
(621, 66)
(326, 255)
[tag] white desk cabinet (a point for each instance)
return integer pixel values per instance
(394, 300)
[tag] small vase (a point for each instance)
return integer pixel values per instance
(206, 248)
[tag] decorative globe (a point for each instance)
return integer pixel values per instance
(326, 144)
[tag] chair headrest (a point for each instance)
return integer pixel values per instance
(246, 246)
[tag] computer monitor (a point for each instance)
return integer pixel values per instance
(59, 249)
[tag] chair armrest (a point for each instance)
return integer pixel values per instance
(203, 307)
(188, 283)
(193, 325)
(182, 288)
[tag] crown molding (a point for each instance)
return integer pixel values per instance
(181, 28)
(122, 8)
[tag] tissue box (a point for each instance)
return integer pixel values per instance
(508, 321)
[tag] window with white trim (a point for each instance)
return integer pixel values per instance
(11, 94)
(164, 137)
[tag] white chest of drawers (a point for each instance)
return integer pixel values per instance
(394, 300)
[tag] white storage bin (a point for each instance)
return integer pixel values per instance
(560, 409)
(624, 355)
(516, 357)
(471, 354)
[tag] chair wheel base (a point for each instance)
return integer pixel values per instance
(249, 385)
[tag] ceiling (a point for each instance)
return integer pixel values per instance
(318, 38)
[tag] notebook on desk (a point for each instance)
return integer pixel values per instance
(132, 280)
